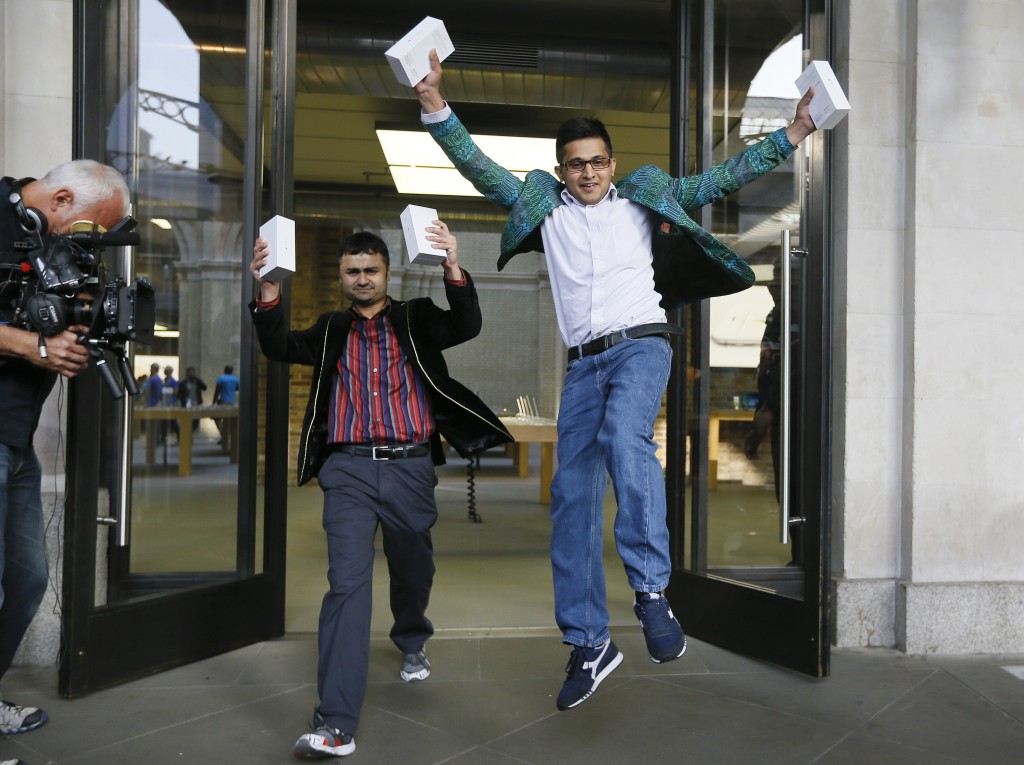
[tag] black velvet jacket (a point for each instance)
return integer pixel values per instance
(424, 330)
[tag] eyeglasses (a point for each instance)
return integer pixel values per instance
(577, 165)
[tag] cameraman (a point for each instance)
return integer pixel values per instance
(74, 191)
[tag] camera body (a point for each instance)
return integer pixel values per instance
(123, 312)
(59, 286)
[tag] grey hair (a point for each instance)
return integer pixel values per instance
(91, 182)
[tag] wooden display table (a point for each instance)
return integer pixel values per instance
(716, 416)
(185, 416)
(528, 430)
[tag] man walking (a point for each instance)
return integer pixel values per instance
(380, 399)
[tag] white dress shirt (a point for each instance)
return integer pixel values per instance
(599, 261)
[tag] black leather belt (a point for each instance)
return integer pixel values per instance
(602, 344)
(383, 451)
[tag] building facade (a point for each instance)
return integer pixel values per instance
(925, 486)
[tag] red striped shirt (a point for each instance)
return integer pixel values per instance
(376, 395)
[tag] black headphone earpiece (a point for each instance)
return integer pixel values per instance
(30, 218)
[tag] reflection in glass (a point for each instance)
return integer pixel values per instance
(188, 170)
(742, 527)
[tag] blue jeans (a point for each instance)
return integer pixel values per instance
(22, 547)
(606, 426)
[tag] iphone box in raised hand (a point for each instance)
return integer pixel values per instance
(828, 104)
(280, 234)
(415, 220)
(410, 56)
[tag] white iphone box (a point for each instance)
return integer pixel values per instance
(415, 220)
(280, 234)
(828, 104)
(410, 56)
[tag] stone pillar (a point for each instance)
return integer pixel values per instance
(209, 297)
(926, 468)
(35, 135)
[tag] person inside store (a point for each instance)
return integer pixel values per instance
(226, 386)
(380, 399)
(225, 393)
(612, 287)
(190, 392)
(30, 365)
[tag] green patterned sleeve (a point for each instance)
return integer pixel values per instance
(489, 178)
(696, 191)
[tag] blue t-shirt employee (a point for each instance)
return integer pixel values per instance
(226, 386)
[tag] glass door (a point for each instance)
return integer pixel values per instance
(751, 546)
(171, 554)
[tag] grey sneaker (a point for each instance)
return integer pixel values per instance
(415, 666)
(324, 741)
(15, 719)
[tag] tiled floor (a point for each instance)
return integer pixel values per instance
(490, 701)
(497, 665)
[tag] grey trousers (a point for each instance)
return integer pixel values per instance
(359, 495)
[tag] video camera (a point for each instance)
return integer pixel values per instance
(59, 286)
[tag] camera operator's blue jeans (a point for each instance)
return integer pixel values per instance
(606, 426)
(22, 548)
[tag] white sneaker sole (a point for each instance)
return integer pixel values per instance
(410, 677)
(670, 658)
(312, 745)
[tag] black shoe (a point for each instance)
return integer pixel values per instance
(586, 669)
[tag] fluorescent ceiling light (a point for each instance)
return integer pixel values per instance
(418, 166)
(161, 223)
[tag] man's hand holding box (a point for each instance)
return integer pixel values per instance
(410, 56)
(415, 220)
(828, 104)
(280, 235)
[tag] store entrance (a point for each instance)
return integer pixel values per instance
(655, 73)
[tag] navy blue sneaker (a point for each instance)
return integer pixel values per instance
(586, 669)
(664, 636)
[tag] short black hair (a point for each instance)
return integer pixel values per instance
(577, 128)
(228, 369)
(364, 243)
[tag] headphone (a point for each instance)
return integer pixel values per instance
(31, 219)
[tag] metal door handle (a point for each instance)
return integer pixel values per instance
(120, 518)
(784, 402)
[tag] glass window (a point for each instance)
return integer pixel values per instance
(182, 150)
(758, 55)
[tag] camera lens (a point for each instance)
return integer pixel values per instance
(80, 312)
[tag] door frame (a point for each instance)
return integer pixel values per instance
(742, 616)
(104, 645)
